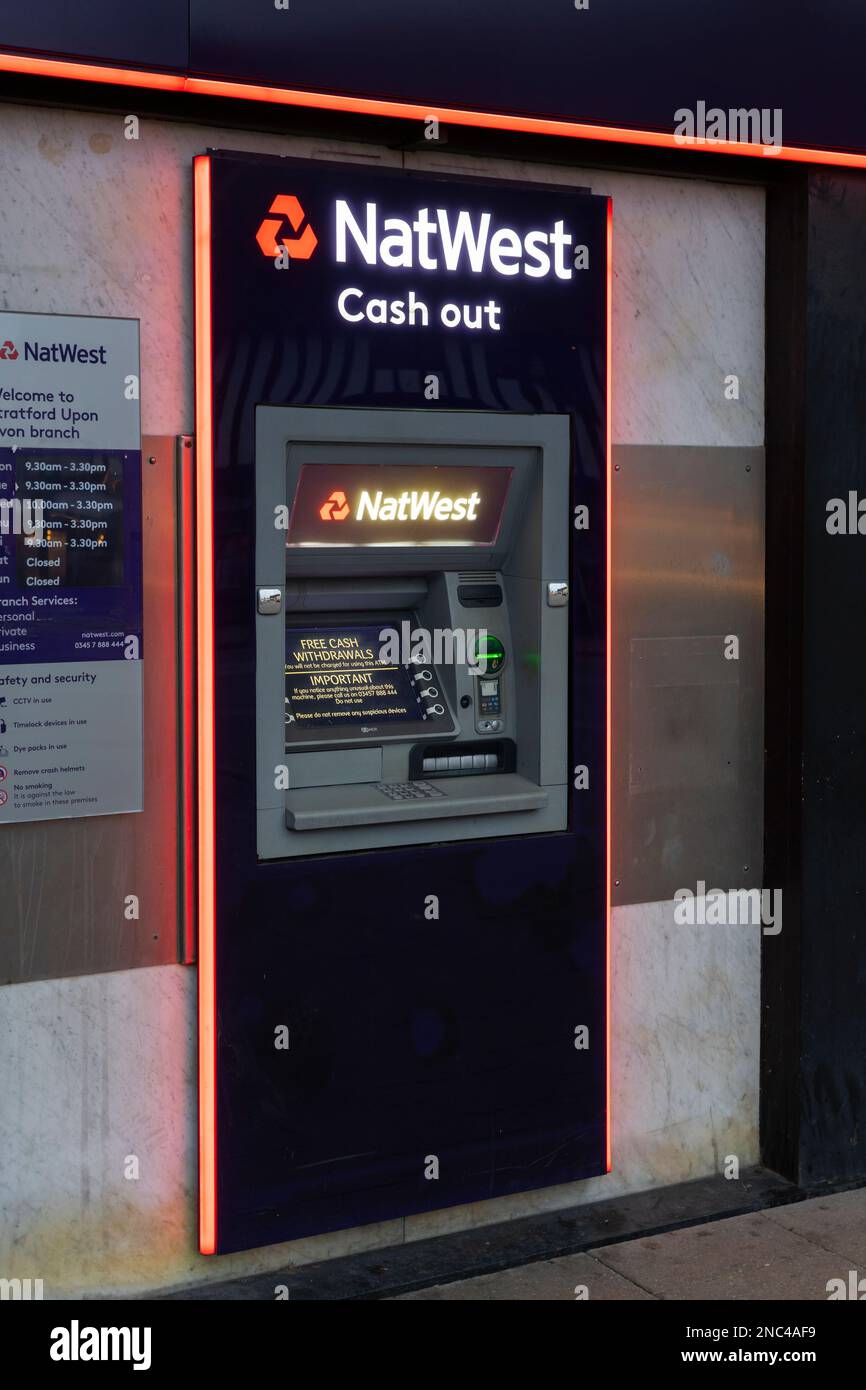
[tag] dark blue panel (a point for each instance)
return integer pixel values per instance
(623, 62)
(151, 35)
(409, 1037)
(620, 62)
(827, 993)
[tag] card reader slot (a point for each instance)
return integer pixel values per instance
(325, 808)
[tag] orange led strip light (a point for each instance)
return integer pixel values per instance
(290, 96)
(205, 667)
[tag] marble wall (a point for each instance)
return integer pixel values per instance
(92, 223)
(97, 1099)
(97, 1074)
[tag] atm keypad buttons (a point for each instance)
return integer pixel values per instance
(408, 791)
(428, 694)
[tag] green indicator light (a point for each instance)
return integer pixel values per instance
(490, 655)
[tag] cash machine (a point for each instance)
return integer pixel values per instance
(412, 627)
(402, 686)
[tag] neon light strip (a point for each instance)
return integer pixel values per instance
(186, 568)
(289, 96)
(91, 72)
(608, 632)
(206, 759)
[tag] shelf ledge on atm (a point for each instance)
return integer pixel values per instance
(325, 808)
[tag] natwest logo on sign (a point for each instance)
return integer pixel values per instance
(336, 508)
(297, 248)
(428, 504)
(449, 241)
(442, 239)
(72, 353)
(398, 504)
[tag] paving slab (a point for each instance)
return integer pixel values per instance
(547, 1281)
(742, 1257)
(510, 1244)
(836, 1223)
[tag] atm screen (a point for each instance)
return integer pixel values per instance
(336, 679)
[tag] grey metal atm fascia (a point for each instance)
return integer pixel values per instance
(528, 568)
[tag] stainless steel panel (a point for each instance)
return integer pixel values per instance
(687, 737)
(66, 883)
(684, 714)
(339, 768)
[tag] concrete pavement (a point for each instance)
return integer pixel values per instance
(784, 1253)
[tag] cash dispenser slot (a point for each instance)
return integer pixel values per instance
(462, 759)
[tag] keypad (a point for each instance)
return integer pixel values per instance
(408, 791)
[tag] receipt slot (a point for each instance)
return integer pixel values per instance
(412, 683)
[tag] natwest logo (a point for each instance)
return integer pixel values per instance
(336, 508)
(397, 504)
(298, 248)
(432, 239)
(405, 506)
(55, 352)
(417, 506)
(442, 239)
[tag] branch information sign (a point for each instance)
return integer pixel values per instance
(70, 567)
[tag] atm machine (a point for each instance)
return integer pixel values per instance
(403, 693)
(412, 628)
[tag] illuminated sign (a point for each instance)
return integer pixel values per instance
(269, 236)
(464, 243)
(406, 504)
(454, 242)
